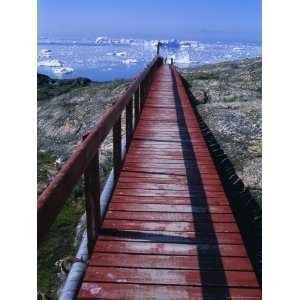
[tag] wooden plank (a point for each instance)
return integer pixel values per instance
(172, 187)
(169, 193)
(117, 291)
(170, 248)
(171, 277)
(209, 228)
(170, 208)
(163, 216)
(186, 237)
(165, 180)
(170, 200)
(169, 262)
(181, 178)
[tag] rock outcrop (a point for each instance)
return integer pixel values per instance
(228, 98)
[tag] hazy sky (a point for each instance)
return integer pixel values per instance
(209, 20)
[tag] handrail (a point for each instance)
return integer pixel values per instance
(85, 159)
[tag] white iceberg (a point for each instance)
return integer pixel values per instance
(45, 53)
(129, 61)
(52, 63)
(237, 49)
(102, 40)
(63, 70)
(150, 44)
(185, 44)
(169, 44)
(121, 54)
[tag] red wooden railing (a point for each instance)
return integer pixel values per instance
(85, 160)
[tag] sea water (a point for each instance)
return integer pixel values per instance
(106, 59)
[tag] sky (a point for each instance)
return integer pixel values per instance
(208, 21)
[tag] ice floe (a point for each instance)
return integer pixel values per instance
(237, 49)
(45, 53)
(103, 40)
(169, 44)
(63, 70)
(121, 54)
(129, 61)
(50, 63)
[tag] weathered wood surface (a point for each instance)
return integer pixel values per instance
(169, 232)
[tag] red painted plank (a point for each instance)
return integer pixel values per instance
(168, 193)
(170, 277)
(180, 178)
(169, 248)
(166, 180)
(170, 208)
(169, 262)
(186, 237)
(170, 200)
(169, 226)
(173, 187)
(163, 216)
(169, 171)
(117, 291)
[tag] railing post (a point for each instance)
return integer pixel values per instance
(142, 94)
(136, 106)
(157, 50)
(92, 200)
(117, 149)
(128, 123)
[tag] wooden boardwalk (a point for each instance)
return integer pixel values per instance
(169, 232)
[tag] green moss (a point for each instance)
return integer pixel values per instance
(60, 241)
(59, 244)
(46, 168)
(230, 98)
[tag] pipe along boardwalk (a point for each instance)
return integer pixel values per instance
(168, 232)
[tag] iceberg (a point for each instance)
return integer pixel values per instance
(45, 53)
(102, 40)
(150, 44)
(237, 49)
(129, 61)
(121, 54)
(63, 70)
(185, 44)
(169, 44)
(50, 63)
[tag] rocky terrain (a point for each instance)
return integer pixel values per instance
(67, 109)
(228, 98)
